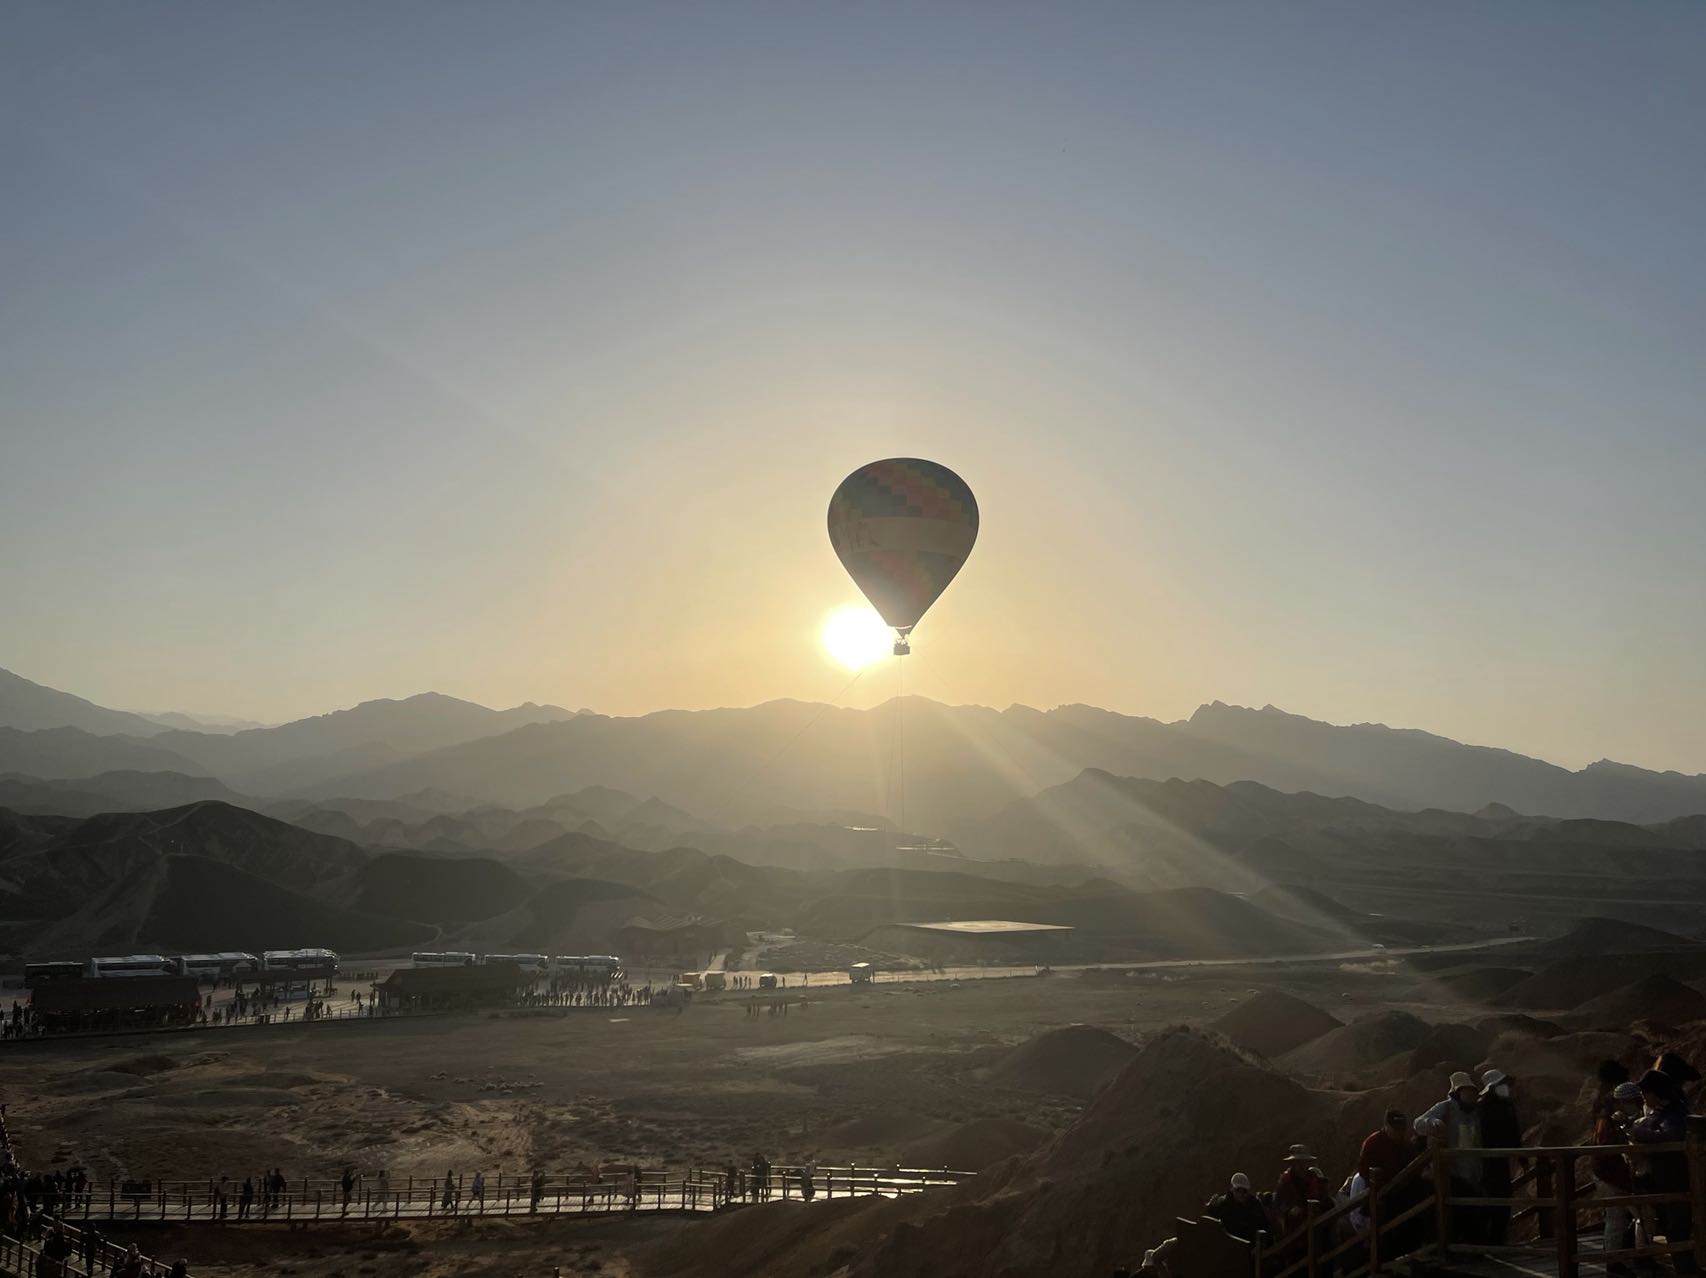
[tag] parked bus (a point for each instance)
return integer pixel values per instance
(444, 958)
(533, 964)
(589, 967)
(133, 965)
(298, 960)
(225, 963)
(54, 970)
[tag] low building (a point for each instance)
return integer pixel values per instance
(974, 941)
(422, 989)
(93, 1003)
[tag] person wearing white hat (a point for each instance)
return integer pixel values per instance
(1501, 1128)
(1459, 1118)
(1240, 1212)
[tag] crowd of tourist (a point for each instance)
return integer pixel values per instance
(31, 1204)
(1476, 1115)
(570, 993)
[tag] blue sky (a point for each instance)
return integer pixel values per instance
(1344, 357)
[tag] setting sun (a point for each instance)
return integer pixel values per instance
(855, 636)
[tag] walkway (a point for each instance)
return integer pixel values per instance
(184, 1202)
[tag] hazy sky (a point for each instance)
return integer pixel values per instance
(1345, 357)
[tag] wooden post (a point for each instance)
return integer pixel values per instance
(1442, 1204)
(1696, 1137)
(1314, 1246)
(1544, 1189)
(1566, 1201)
(1373, 1230)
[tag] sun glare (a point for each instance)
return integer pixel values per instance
(855, 636)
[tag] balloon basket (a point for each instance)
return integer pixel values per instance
(901, 647)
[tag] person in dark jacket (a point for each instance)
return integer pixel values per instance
(1666, 1122)
(1611, 1170)
(1240, 1212)
(1500, 1129)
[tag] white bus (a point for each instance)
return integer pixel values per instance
(133, 965)
(297, 960)
(446, 958)
(534, 964)
(589, 967)
(225, 963)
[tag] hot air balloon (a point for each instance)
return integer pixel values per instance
(902, 528)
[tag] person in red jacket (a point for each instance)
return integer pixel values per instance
(1301, 1185)
(1387, 1150)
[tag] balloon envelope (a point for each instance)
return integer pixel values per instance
(902, 527)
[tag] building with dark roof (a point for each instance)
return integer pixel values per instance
(116, 1002)
(437, 988)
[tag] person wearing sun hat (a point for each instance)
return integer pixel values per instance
(1459, 1119)
(1501, 1128)
(1301, 1183)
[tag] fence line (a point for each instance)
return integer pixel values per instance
(418, 1198)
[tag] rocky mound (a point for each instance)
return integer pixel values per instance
(1075, 1060)
(1483, 984)
(1593, 936)
(1507, 1022)
(974, 1145)
(1659, 997)
(1183, 1114)
(1553, 1072)
(1566, 982)
(1446, 1047)
(876, 1131)
(1271, 1023)
(1365, 1042)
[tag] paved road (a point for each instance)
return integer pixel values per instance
(819, 980)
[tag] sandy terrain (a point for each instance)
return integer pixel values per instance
(870, 1074)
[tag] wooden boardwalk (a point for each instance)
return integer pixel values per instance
(323, 1202)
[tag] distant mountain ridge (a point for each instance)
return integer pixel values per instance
(50, 734)
(963, 763)
(30, 706)
(743, 766)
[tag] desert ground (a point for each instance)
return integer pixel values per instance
(923, 1073)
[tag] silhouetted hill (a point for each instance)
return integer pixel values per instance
(439, 890)
(372, 734)
(72, 752)
(965, 763)
(127, 791)
(194, 903)
(55, 868)
(30, 707)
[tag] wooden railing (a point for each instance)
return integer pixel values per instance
(1415, 1212)
(697, 1190)
(91, 1257)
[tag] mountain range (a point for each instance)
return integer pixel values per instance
(794, 761)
